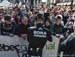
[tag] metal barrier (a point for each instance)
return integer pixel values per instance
(12, 46)
(17, 47)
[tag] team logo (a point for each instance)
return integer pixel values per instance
(40, 28)
(41, 34)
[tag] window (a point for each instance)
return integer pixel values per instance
(74, 0)
(66, 0)
(61, 1)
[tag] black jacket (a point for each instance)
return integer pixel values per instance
(38, 35)
(58, 29)
(68, 46)
(8, 29)
(22, 29)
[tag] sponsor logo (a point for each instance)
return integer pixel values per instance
(41, 34)
(20, 49)
(50, 46)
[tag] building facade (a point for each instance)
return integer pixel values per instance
(63, 1)
(59, 1)
(51, 2)
(12, 1)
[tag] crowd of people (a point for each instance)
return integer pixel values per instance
(58, 20)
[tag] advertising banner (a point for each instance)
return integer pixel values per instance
(17, 47)
(12, 46)
(51, 48)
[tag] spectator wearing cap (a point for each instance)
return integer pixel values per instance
(60, 17)
(58, 27)
(58, 30)
(8, 27)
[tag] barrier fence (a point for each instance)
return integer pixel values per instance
(17, 47)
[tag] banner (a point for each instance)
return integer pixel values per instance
(12, 46)
(17, 47)
(51, 48)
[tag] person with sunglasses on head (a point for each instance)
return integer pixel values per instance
(8, 27)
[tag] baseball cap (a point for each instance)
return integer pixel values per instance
(58, 17)
(7, 17)
(40, 16)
